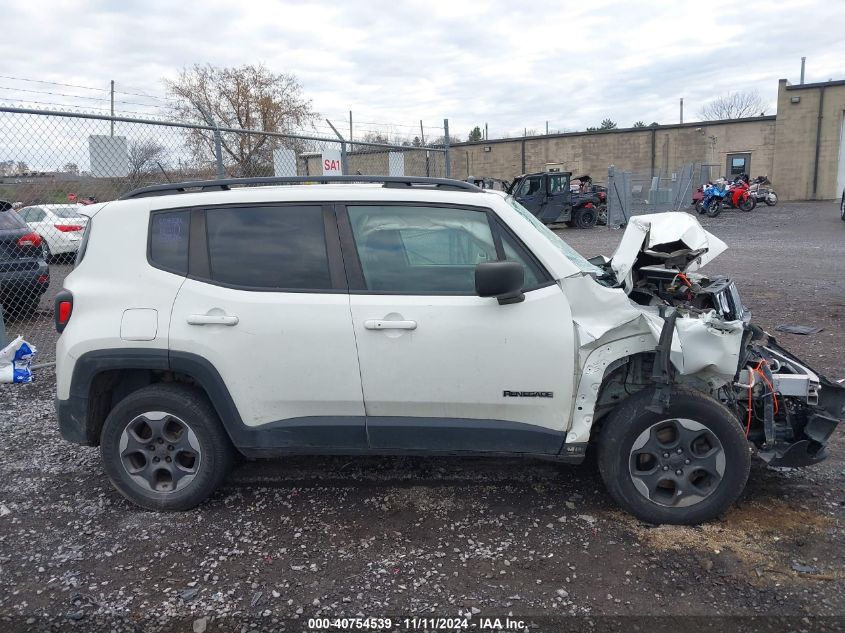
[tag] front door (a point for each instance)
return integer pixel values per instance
(530, 193)
(268, 308)
(738, 164)
(441, 368)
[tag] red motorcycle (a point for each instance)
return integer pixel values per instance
(738, 195)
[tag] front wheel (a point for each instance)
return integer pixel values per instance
(747, 204)
(585, 218)
(684, 466)
(164, 447)
(714, 208)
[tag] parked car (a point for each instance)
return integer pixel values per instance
(417, 316)
(24, 275)
(60, 226)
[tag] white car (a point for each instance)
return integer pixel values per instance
(60, 226)
(417, 316)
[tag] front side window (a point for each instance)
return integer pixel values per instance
(429, 250)
(282, 247)
(529, 186)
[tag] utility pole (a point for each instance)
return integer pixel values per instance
(803, 61)
(485, 132)
(446, 153)
(112, 106)
(422, 143)
(350, 130)
(682, 109)
(547, 128)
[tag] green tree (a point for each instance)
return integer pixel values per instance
(475, 134)
(608, 124)
(639, 124)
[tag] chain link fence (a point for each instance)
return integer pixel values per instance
(638, 192)
(53, 164)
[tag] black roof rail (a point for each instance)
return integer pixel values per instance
(228, 183)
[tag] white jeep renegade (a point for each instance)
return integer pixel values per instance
(416, 316)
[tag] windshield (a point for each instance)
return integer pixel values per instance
(571, 254)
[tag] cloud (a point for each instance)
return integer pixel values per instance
(509, 64)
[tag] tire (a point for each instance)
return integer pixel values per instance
(584, 218)
(714, 208)
(621, 452)
(190, 432)
(698, 206)
(842, 205)
(748, 204)
(771, 199)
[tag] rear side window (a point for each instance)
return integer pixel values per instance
(280, 247)
(169, 235)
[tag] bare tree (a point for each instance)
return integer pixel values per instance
(245, 97)
(143, 156)
(736, 105)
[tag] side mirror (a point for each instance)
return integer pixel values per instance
(503, 280)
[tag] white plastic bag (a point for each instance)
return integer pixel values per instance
(15, 361)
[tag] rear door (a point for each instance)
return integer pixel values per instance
(266, 304)
(558, 204)
(443, 369)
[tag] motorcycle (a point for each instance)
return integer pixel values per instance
(761, 193)
(713, 199)
(738, 196)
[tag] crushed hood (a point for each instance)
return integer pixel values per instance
(673, 239)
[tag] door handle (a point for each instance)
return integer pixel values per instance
(378, 324)
(212, 319)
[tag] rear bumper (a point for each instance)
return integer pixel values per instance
(73, 421)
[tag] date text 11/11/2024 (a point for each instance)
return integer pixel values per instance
(482, 624)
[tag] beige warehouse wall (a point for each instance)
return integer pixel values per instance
(665, 149)
(795, 148)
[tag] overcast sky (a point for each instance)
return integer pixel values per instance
(512, 65)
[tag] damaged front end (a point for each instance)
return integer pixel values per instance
(787, 410)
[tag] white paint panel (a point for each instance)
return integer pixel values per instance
(290, 354)
(464, 352)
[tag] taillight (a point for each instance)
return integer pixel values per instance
(30, 239)
(43, 279)
(63, 309)
(69, 228)
(589, 205)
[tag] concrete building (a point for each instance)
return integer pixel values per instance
(801, 148)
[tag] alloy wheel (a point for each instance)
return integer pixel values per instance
(677, 462)
(160, 452)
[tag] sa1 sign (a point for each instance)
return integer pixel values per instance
(331, 162)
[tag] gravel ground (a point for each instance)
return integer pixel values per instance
(288, 540)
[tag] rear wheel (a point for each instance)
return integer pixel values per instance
(585, 217)
(772, 199)
(684, 466)
(164, 447)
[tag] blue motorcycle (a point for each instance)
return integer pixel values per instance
(714, 199)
